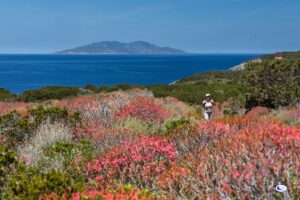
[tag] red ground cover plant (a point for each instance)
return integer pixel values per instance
(93, 109)
(144, 109)
(240, 161)
(241, 157)
(107, 194)
(102, 112)
(257, 116)
(258, 111)
(138, 162)
(21, 107)
(132, 194)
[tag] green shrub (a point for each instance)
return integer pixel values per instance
(123, 87)
(201, 83)
(91, 87)
(51, 92)
(29, 183)
(103, 88)
(42, 113)
(6, 95)
(68, 157)
(139, 126)
(231, 110)
(272, 83)
(174, 124)
(87, 150)
(68, 151)
(20, 182)
(193, 93)
(17, 128)
(213, 76)
(8, 163)
(63, 149)
(75, 118)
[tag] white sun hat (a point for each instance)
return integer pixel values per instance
(207, 95)
(281, 188)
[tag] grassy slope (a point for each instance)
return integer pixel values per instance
(213, 77)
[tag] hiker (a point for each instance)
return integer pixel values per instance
(208, 104)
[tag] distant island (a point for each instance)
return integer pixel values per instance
(115, 47)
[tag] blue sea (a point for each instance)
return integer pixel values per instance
(23, 72)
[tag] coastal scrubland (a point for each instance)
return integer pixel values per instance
(271, 83)
(131, 145)
(150, 142)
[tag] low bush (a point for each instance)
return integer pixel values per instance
(232, 109)
(139, 126)
(122, 87)
(67, 152)
(15, 128)
(19, 128)
(20, 182)
(273, 83)
(21, 107)
(235, 160)
(91, 87)
(47, 134)
(52, 114)
(144, 109)
(8, 163)
(171, 125)
(29, 183)
(194, 93)
(123, 192)
(288, 116)
(6, 95)
(51, 92)
(137, 162)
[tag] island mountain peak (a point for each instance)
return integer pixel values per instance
(116, 47)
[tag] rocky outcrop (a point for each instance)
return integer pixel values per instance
(242, 65)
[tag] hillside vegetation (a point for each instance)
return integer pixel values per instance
(6, 95)
(270, 83)
(150, 142)
(213, 77)
(273, 83)
(131, 145)
(51, 92)
(191, 90)
(285, 55)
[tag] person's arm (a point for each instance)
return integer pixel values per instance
(212, 102)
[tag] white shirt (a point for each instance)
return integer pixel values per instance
(208, 105)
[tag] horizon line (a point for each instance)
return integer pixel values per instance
(179, 54)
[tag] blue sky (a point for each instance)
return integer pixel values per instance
(202, 26)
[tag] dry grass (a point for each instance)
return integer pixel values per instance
(46, 135)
